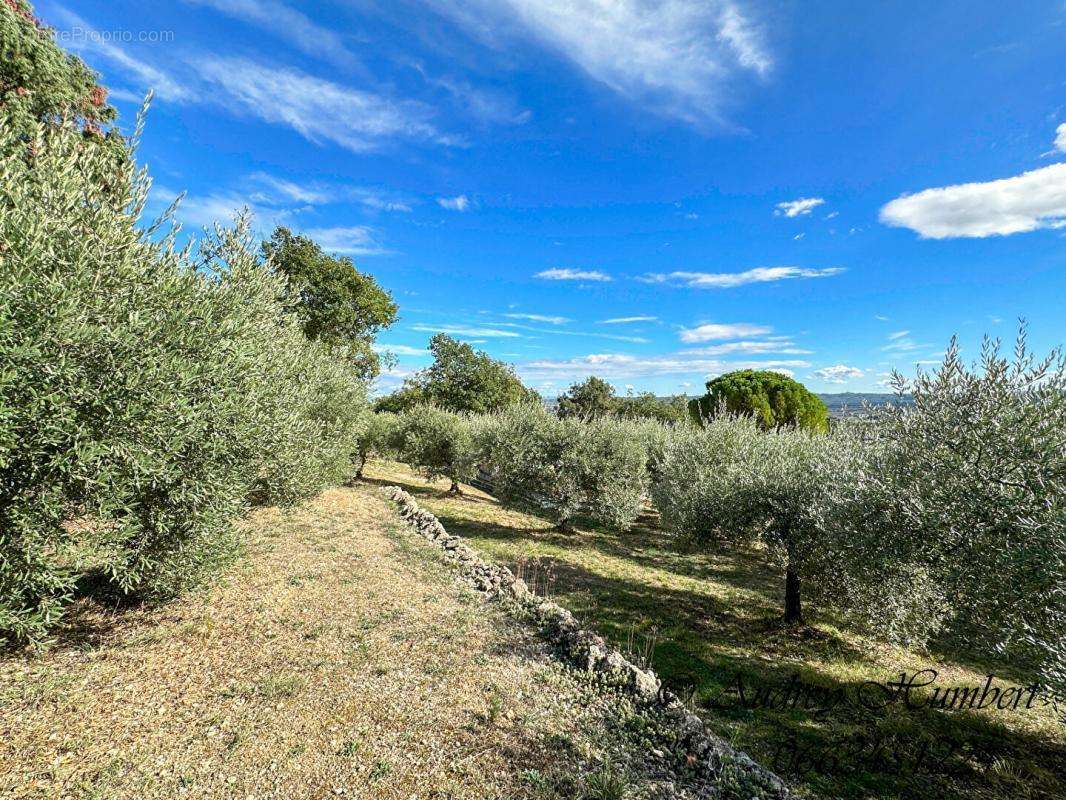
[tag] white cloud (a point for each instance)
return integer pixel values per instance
(841, 373)
(146, 76)
(582, 334)
(681, 57)
(778, 344)
(1032, 200)
(727, 280)
(712, 331)
(350, 240)
(287, 23)
(900, 342)
(798, 208)
(539, 318)
(206, 210)
(564, 274)
(465, 330)
(309, 195)
(460, 203)
(280, 190)
(1060, 137)
(627, 320)
(400, 349)
(618, 366)
(317, 109)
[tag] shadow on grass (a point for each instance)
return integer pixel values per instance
(711, 623)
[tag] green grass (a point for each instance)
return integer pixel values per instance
(707, 618)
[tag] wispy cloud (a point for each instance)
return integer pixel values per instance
(459, 203)
(627, 320)
(356, 240)
(223, 206)
(1060, 138)
(841, 373)
(399, 349)
(901, 342)
(565, 274)
(286, 23)
(317, 193)
(540, 318)
(317, 109)
(798, 208)
(619, 366)
(582, 334)
(713, 331)
(1027, 202)
(143, 75)
(680, 58)
(780, 345)
(466, 330)
(727, 280)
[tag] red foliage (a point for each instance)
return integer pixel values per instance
(98, 96)
(22, 12)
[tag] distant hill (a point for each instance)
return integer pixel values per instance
(852, 402)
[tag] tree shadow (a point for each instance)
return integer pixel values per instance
(702, 641)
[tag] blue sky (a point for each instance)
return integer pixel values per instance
(650, 192)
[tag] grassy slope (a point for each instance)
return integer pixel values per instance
(338, 659)
(707, 616)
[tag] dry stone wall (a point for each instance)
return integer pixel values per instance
(716, 761)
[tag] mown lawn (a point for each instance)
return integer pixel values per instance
(707, 620)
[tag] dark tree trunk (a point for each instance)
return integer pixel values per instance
(793, 610)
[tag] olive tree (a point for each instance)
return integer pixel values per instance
(564, 467)
(438, 442)
(964, 487)
(148, 393)
(374, 440)
(731, 481)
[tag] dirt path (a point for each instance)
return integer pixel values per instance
(338, 660)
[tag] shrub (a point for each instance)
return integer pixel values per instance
(439, 442)
(565, 466)
(774, 400)
(146, 394)
(964, 490)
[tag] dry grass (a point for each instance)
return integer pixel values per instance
(708, 616)
(338, 659)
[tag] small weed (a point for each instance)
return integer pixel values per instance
(349, 748)
(607, 784)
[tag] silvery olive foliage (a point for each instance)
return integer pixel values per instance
(375, 439)
(732, 481)
(440, 443)
(964, 489)
(147, 393)
(566, 466)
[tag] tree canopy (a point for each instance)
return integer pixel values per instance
(41, 82)
(775, 400)
(594, 398)
(590, 399)
(461, 379)
(335, 303)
